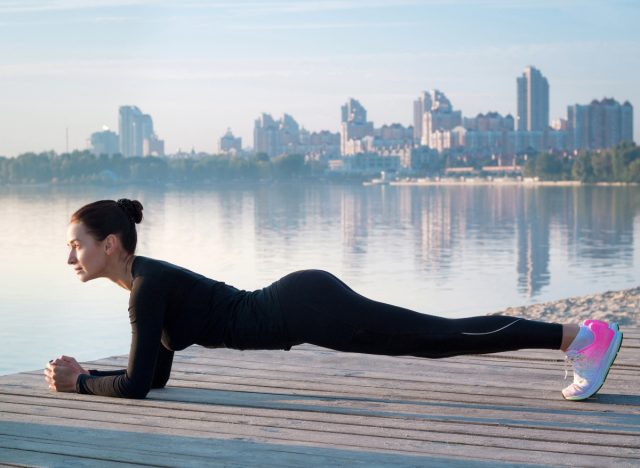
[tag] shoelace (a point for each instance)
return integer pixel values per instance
(571, 361)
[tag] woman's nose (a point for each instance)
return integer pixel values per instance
(72, 258)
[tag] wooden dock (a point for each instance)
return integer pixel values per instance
(314, 407)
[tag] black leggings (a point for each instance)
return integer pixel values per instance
(320, 309)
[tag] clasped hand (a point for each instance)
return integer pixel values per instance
(61, 374)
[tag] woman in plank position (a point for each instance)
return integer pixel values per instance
(171, 308)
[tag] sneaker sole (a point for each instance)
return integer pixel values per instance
(616, 343)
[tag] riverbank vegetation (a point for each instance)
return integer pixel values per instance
(620, 164)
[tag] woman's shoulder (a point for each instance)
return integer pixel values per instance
(151, 267)
(147, 265)
(152, 278)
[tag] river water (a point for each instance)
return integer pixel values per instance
(446, 250)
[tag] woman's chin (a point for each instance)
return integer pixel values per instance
(83, 277)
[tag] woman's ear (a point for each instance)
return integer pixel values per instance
(110, 244)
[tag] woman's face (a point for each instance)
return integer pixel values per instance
(87, 256)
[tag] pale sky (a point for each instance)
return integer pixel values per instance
(200, 66)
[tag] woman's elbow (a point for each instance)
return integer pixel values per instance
(160, 381)
(162, 384)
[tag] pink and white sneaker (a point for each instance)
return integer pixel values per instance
(591, 364)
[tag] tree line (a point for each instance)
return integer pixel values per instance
(85, 167)
(620, 164)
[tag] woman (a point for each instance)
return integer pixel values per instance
(171, 308)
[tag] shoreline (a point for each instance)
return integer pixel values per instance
(507, 181)
(619, 306)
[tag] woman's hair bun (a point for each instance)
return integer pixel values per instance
(132, 208)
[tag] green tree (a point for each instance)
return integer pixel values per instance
(582, 169)
(602, 167)
(633, 173)
(622, 158)
(289, 165)
(529, 168)
(548, 166)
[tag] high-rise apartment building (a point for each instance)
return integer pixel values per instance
(130, 124)
(489, 122)
(104, 142)
(600, 124)
(484, 135)
(137, 137)
(265, 135)
(289, 134)
(275, 137)
(353, 125)
(320, 145)
(533, 101)
(438, 117)
(420, 106)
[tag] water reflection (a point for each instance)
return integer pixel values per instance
(448, 250)
(448, 228)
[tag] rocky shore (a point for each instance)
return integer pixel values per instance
(611, 306)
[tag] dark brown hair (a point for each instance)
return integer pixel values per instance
(105, 217)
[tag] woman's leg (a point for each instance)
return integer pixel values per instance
(320, 309)
(569, 333)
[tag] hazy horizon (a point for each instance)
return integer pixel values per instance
(199, 67)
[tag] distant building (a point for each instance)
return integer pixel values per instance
(275, 137)
(523, 141)
(600, 124)
(137, 137)
(476, 142)
(152, 146)
(484, 135)
(489, 122)
(438, 119)
(394, 135)
(105, 142)
(533, 101)
(228, 144)
(560, 124)
(359, 137)
(365, 164)
(353, 125)
(321, 145)
(420, 106)
(289, 132)
(265, 135)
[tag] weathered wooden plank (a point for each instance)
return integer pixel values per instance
(215, 383)
(14, 456)
(163, 450)
(407, 446)
(498, 374)
(405, 407)
(422, 375)
(495, 408)
(361, 363)
(572, 432)
(259, 404)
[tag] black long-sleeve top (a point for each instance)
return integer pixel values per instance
(170, 308)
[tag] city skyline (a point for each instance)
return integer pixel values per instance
(206, 66)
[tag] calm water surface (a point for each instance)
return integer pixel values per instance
(452, 250)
